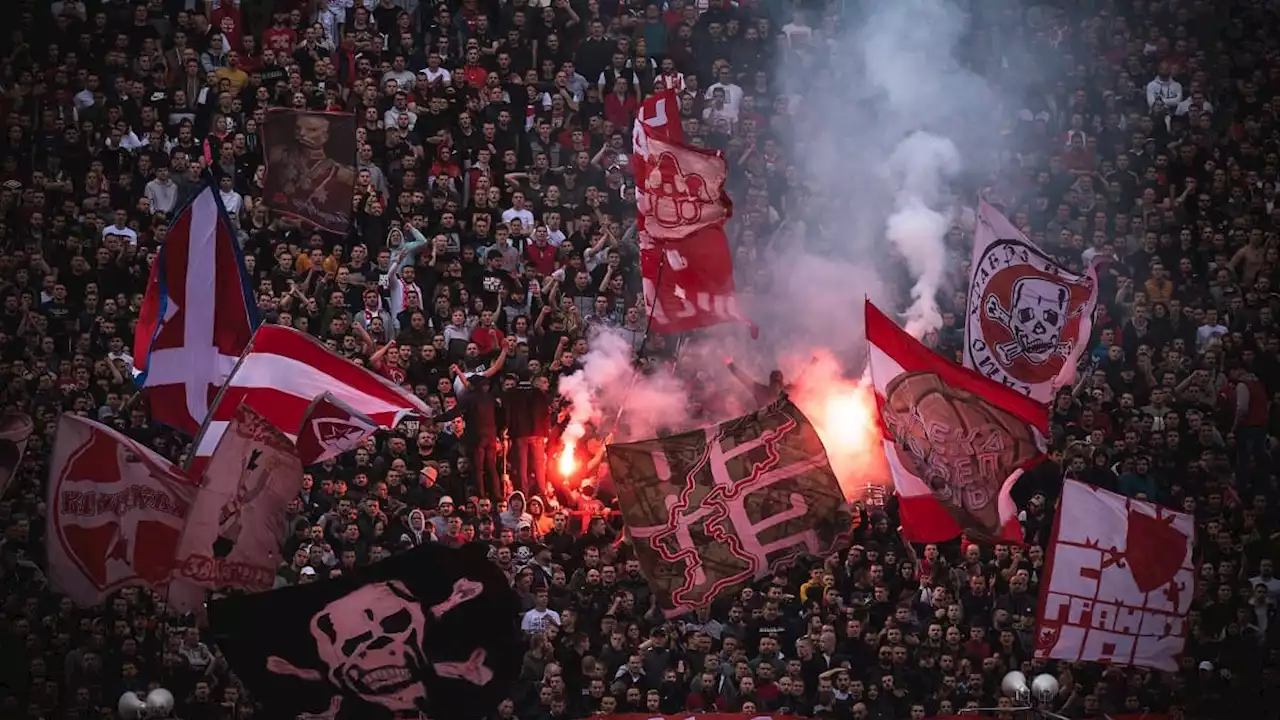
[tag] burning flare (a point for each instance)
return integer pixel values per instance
(844, 413)
(568, 463)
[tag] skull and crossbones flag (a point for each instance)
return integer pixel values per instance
(713, 509)
(429, 633)
(956, 441)
(1029, 319)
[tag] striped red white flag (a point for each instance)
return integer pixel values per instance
(283, 371)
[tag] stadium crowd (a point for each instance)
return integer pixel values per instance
(501, 132)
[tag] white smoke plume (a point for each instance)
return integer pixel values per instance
(607, 383)
(884, 125)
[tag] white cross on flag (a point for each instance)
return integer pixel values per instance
(197, 317)
(116, 511)
(1119, 581)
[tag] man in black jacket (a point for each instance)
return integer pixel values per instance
(528, 408)
(478, 407)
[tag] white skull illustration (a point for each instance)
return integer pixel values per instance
(371, 640)
(1039, 316)
(524, 555)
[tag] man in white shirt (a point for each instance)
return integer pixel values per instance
(1210, 330)
(399, 108)
(732, 91)
(121, 228)
(436, 75)
(1266, 576)
(518, 210)
(231, 200)
(540, 617)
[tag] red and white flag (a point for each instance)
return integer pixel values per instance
(955, 441)
(659, 118)
(681, 194)
(1118, 582)
(197, 316)
(116, 512)
(1029, 318)
(283, 370)
(686, 267)
(331, 428)
(236, 527)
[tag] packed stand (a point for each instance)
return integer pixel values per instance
(501, 133)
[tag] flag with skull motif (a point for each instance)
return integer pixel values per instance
(1029, 319)
(432, 632)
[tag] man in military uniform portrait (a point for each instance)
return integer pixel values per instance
(306, 174)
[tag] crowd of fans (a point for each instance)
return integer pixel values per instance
(501, 133)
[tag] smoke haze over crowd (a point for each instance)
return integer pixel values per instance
(882, 129)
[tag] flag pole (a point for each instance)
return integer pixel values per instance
(208, 418)
(648, 325)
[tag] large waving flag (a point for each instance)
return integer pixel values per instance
(1029, 318)
(197, 317)
(237, 523)
(116, 511)
(956, 441)
(283, 371)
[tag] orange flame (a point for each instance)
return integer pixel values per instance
(844, 414)
(568, 463)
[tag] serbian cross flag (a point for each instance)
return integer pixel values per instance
(1029, 318)
(281, 374)
(955, 441)
(197, 316)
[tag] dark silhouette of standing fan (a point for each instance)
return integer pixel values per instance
(15, 429)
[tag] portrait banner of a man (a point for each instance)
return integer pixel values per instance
(311, 170)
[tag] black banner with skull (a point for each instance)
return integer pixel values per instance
(429, 633)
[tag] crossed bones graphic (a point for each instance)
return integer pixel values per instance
(472, 670)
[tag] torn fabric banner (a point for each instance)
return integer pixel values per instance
(713, 509)
(956, 442)
(432, 632)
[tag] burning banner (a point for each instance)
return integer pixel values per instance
(427, 633)
(956, 441)
(310, 166)
(713, 509)
(1119, 581)
(1029, 318)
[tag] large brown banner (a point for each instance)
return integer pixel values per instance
(713, 509)
(311, 171)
